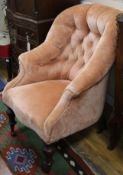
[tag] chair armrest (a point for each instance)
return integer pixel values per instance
(40, 55)
(31, 63)
(94, 70)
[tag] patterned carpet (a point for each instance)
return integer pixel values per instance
(2, 84)
(23, 153)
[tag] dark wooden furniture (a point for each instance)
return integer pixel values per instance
(5, 54)
(115, 123)
(29, 22)
(112, 117)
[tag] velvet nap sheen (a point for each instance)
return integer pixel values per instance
(61, 86)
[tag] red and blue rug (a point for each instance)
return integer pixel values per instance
(23, 153)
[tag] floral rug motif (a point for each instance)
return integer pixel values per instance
(21, 159)
(23, 153)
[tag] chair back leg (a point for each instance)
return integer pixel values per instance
(49, 151)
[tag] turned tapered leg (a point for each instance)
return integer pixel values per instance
(49, 150)
(12, 121)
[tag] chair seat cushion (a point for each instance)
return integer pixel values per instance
(33, 103)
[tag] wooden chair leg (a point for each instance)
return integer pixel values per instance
(102, 124)
(49, 151)
(12, 121)
(114, 129)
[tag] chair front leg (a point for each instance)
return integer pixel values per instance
(49, 151)
(12, 121)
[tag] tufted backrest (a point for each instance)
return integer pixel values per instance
(77, 35)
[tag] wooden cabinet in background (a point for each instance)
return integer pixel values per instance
(115, 123)
(29, 21)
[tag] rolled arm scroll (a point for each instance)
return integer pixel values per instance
(31, 64)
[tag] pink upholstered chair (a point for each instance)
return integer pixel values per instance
(61, 85)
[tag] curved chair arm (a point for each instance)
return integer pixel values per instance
(98, 65)
(41, 55)
(30, 65)
(94, 70)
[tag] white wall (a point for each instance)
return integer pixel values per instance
(113, 3)
(2, 17)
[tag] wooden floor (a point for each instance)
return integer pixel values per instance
(91, 146)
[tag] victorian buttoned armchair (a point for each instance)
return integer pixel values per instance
(61, 86)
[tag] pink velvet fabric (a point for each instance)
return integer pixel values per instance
(69, 71)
